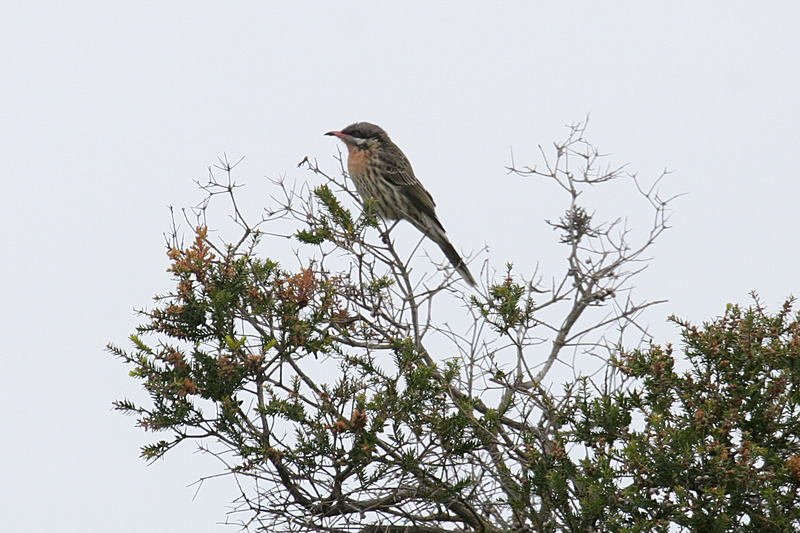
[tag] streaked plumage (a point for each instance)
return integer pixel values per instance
(382, 172)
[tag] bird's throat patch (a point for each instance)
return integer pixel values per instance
(357, 159)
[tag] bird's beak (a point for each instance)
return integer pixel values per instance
(347, 139)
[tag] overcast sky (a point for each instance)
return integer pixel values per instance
(110, 110)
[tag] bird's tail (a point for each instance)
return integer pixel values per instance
(440, 238)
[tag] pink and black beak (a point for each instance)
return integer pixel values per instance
(348, 140)
(342, 136)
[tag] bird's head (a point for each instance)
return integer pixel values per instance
(361, 135)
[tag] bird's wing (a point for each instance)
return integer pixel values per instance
(398, 172)
(413, 187)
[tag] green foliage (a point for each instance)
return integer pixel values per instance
(717, 447)
(506, 308)
(230, 317)
(318, 386)
(230, 366)
(336, 224)
(714, 448)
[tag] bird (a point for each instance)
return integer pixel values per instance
(383, 174)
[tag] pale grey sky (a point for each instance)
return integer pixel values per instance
(109, 110)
